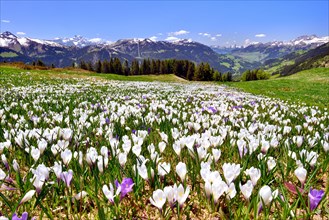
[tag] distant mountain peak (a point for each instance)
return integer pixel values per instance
(8, 34)
(306, 37)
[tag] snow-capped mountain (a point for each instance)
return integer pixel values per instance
(7, 39)
(80, 41)
(307, 40)
(276, 49)
(64, 51)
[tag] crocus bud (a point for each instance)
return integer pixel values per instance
(66, 156)
(28, 196)
(181, 170)
(301, 173)
(246, 189)
(265, 194)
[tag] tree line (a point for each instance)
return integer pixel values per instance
(182, 68)
(257, 74)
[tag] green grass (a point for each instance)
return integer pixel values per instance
(226, 64)
(309, 86)
(146, 78)
(39, 75)
(8, 54)
(251, 57)
(279, 66)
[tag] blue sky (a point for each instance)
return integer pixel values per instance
(208, 22)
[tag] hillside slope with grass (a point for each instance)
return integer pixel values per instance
(308, 86)
(298, 61)
(39, 75)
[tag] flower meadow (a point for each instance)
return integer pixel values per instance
(96, 149)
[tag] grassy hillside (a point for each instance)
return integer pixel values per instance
(36, 76)
(309, 86)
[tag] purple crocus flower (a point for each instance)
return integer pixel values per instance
(24, 216)
(67, 177)
(315, 197)
(213, 109)
(126, 186)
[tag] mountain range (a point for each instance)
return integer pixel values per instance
(64, 51)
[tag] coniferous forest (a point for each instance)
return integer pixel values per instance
(182, 68)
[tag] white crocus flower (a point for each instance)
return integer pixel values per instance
(218, 188)
(231, 171)
(15, 165)
(158, 198)
(137, 150)
(231, 191)
(104, 151)
(216, 154)
(67, 134)
(171, 194)
(270, 163)
(208, 188)
(54, 149)
(122, 158)
(181, 170)
(109, 193)
(286, 130)
(38, 181)
(202, 152)
(182, 194)
(312, 157)
(42, 145)
(246, 189)
(66, 156)
(164, 136)
(2, 174)
(254, 174)
(91, 156)
(80, 195)
(177, 148)
(35, 153)
(162, 146)
(142, 171)
(299, 141)
(100, 163)
(265, 194)
(301, 173)
(57, 168)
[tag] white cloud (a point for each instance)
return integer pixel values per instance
(172, 38)
(5, 21)
(177, 33)
(260, 35)
(213, 38)
(20, 33)
(205, 34)
(218, 35)
(153, 38)
(160, 34)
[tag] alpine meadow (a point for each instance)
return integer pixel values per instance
(164, 110)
